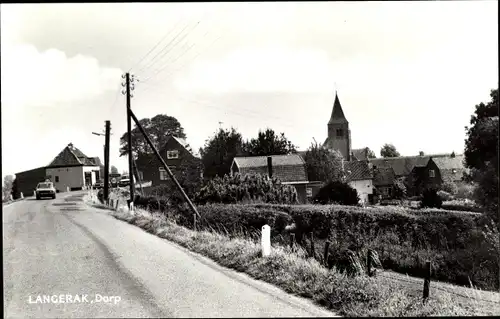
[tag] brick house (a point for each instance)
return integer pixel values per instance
(289, 169)
(183, 163)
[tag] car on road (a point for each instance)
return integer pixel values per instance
(99, 184)
(124, 182)
(45, 189)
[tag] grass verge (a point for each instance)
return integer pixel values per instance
(298, 275)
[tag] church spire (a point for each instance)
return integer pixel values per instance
(337, 112)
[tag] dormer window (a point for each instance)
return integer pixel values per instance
(172, 154)
(340, 132)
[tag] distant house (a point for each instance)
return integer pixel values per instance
(289, 169)
(383, 181)
(360, 177)
(179, 158)
(423, 171)
(72, 168)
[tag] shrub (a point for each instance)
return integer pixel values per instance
(450, 187)
(445, 196)
(465, 191)
(248, 188)
(430, 198)
(337, 192)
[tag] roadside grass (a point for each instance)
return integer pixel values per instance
(293, 272)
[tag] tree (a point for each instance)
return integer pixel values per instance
(389, 150)
(268, 143)
(158, 129)
(481, 153)
(370, 153)
(399, 188)
(114, 170)
(219, 151)
(337, 192)
(7, 186)
(323, 164)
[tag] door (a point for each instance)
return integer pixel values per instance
(88, 178)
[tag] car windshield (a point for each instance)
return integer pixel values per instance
(44, 185)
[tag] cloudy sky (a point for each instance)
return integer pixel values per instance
(407, 73)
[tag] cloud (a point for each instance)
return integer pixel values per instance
(42, 95)
(33, 78)
(264, 69)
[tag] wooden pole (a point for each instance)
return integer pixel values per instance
(194, 222)
(106, 161)
(427, 280)
(313, 252)
(369, 263)
(326, 252)
(129, 139)
(292, 240)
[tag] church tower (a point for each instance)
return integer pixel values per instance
(339, 135)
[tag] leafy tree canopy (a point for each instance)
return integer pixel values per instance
(323, 164)
(389, 150)
(269, 143)
(158, 129)
(219, 151)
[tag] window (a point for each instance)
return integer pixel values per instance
(340, 132)
(432, 173)
(172, 154)
(309, 192)
(163, 174)
(57, 179)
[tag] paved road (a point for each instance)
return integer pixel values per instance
(60, 247)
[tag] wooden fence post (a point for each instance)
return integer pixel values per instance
(369, 263)
(326, 252)
(313, 252)
(427, 280)
(194, 222)
(117, 202)
(292, 240)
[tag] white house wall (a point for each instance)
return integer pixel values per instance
(71, 177)
(91, 169)
(364, 188)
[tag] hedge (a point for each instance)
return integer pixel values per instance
(404, 238)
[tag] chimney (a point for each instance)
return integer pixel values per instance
(452, 154)
(270, 166)
(70, 145)
(421, 153)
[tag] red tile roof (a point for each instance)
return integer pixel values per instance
(286, 168)
(72, 156)
(357, 170)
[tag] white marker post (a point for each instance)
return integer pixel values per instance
(22, 196)
(11, 197)
(131, 208)
(67, 189)
(266, 241)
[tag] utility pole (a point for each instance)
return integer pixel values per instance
(128, 81)
(106, 161)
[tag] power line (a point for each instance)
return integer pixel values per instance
(163, 52)
(192, 59)
(157, 44)
(170, 63)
